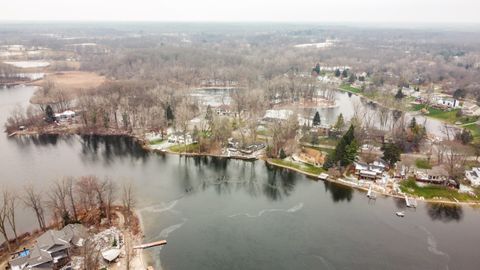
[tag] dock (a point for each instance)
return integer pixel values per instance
(152, 244)
(410, 202)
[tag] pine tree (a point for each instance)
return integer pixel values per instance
(413, 123)
(49, 113)
(337, 73)
(340, 122)
(169, 113)
(316, 119)
(391, 153)
(344, 73)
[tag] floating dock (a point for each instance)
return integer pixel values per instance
(410, 202)
(152, 244)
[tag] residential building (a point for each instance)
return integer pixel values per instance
(437, 175)
(473, 176)
(52, 249)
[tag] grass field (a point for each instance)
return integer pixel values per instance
(349, 88)
(474, 128)
(189, 148)
(434, 192)
(156, 141)
(423, 164)
(448, 116)
(301, 167)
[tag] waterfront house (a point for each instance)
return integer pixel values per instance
(372, 171)
(64, 116)
(473, 176)
(437, 175)
(52, 249)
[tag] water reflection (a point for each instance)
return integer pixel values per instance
(444, 213)
(338, 193)
(107, 148)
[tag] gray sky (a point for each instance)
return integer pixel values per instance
(412, 11)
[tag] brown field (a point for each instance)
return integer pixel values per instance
(74, 80)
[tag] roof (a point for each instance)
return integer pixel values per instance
(53, 240)
(39, 257)
(111, 254)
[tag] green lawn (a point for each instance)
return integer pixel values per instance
(328, 141)
(423, 164)
(474, 128)
(434, 191)
(302, 167)
(448, 116)
(189, 148)
(156, 141)
(349, 88)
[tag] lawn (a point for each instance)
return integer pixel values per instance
(349, 88)
(422, 163)
(156, 141)
(448, 116)
(434, 191)
(328, 141)
(301, 167)
(474, 128)
(189, 148)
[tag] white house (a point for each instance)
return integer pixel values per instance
(473, 176)
(66, 115)
(448, 102)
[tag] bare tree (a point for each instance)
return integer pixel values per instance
(110, 192)
(58, 197)
(33, 200)
(128, 201)
(3, 219)
(11, 202)
(91, 255)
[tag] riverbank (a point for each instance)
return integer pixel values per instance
(309, 173)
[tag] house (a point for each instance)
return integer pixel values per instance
(66, 115)
(177, 137)
(372, 171)
(52, 249)
(445, 102)
(473, 176)
(437, 175)
(470, 109)
(277, 115)
(223, 110)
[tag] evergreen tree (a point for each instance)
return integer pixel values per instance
(337, 73)
(316, 119)
(340, 124)
(391, 153)
(345, 152)
(399, 94)
(169, 113)
(352, 78)
(282, 154)
(413, 123)
(317, 68)
(344, 73)
(50, 115)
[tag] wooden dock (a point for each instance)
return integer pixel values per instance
(152, 244)
(410, 202)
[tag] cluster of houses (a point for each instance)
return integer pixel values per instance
(52, 249)
(62, 249)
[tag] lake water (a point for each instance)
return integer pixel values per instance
(228, 214)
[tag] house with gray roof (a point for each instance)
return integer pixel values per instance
(52, 249)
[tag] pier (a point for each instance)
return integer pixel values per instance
(152, 244)
(410, 202)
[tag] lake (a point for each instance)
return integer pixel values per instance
(230, 214)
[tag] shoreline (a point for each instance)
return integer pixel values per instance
(144, 145)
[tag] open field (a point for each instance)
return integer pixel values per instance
(349, 88)
(74, 80)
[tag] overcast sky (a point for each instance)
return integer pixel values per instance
(413, 11)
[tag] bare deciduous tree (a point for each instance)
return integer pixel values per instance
(33, 200)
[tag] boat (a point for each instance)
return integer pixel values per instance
(400, 214)
(371, 194)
